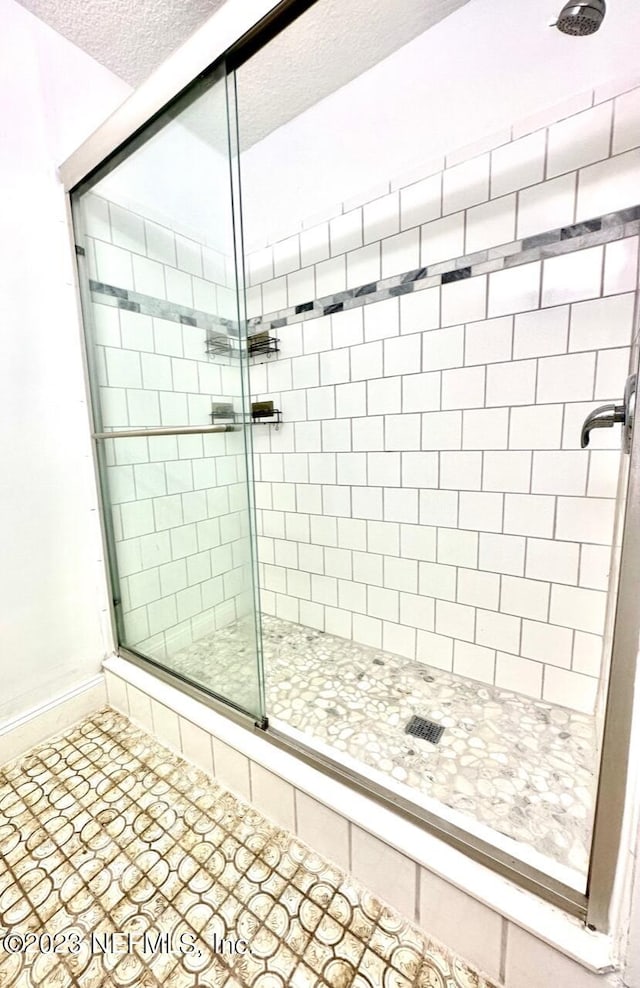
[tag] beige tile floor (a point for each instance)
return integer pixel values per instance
(105, 831)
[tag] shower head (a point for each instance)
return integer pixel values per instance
(581, 18)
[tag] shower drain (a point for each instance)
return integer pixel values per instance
(420, 727)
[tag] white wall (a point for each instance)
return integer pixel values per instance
(487, 64)
(51, 595)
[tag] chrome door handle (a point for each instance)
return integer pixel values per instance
(601, 418)
(606, 416)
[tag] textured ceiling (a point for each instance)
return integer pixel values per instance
(130, 37)
(297, 69)
(308, 61)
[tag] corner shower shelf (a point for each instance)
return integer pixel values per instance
(262, 345)
(258, 345)
(218, 344)
(262, 413)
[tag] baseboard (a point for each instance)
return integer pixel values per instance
(48, 719)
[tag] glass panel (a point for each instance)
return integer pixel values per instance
(161, 308)
(434, 542)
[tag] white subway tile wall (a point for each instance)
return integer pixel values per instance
(426, 492)
(441, 498)
(179, 504)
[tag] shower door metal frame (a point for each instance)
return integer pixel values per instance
(233, 34)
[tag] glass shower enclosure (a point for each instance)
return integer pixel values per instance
(340, 374)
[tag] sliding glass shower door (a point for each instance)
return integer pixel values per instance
(437, 332)
(163, 310)
(440, 516)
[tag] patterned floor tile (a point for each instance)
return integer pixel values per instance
(128, 867)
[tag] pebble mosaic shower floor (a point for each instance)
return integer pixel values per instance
(523, 767)
(105, 831)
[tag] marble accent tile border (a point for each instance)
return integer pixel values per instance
(562, 240)
(148, 305)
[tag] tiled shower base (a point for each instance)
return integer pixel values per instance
(525, 768)
(106, 832)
